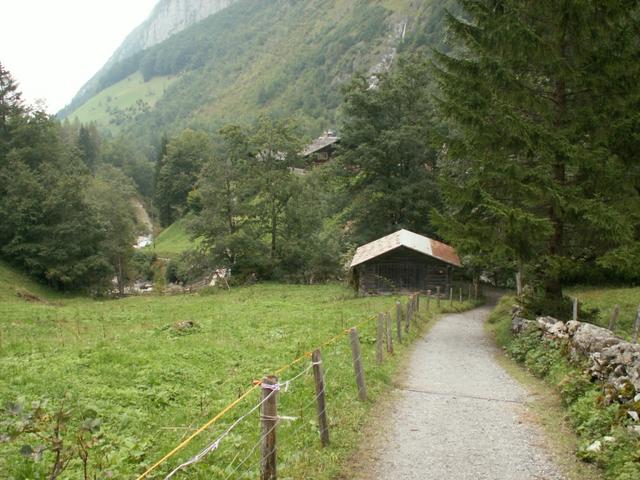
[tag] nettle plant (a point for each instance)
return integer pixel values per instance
(52, 439)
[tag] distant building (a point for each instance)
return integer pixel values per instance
(322, 148)
(404, 261)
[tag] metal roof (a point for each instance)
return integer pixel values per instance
(320, 143)
(405, 238)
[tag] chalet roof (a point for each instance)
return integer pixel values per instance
(413, 241)
(321, 143)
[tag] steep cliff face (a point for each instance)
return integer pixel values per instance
(168, 18)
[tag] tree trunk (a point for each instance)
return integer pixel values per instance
(120, 276)
(274, 228)
(520, 278)
(552, 284)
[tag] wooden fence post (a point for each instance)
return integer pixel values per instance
(269, 419)
(614, 317)
(460, 294)
(379, 337)
(451, 296)
(636, 326)
(575, 309)
(428, 299)
(438, 296)
(469, 298)
(407, 323)
(316, 358)
(399, 321)
(475, 290)
(389, 330)
(357, 364)
(418, 302)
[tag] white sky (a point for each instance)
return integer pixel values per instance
(52, 47)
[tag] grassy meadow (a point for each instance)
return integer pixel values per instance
(150, 384)
(172, 241)
(603, 300)
(122, 96)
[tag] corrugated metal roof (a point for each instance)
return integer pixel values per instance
(405, 238)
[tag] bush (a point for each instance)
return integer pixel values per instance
(143, 264)
(573, 386)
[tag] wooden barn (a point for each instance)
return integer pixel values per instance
(322, 148)
(404, 261)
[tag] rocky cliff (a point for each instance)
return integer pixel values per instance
(167, 18)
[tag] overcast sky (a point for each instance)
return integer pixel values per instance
(52, 47)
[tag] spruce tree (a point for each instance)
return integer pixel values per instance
(536, 165)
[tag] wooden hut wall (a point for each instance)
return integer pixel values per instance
(404, 269)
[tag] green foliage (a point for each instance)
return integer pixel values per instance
(53, 439)
(110, 196)
(253, 214)
(46, 224)
(575, 385)
(59, 222)
(186, 154)
(142, 262)
(587, 412)
(386, 157)
(122, 103)
(535, 169)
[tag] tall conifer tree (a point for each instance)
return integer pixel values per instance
(535, 169)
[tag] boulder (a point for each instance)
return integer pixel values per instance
(590, 338)
(519, 324)
(552, 327)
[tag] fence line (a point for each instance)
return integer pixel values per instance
(412, 314)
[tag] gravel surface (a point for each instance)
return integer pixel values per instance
(458, 414)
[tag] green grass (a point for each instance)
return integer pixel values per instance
(151, 385)
(122, 96)
(13, 282)
(605, 299)
(172, 241)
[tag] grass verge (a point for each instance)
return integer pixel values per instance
(573, 413)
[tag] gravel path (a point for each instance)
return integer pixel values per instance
(459, 415)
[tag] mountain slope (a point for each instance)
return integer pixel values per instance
(283, 57)
(167, 18)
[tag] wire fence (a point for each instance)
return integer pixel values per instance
(301, 401)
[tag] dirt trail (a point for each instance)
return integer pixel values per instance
(458, 414)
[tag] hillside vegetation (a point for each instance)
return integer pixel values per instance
(261, 57)
(172, 241)
(123, 101)
(14, 284)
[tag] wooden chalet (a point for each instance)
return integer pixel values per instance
(404, 262)
(322, 148)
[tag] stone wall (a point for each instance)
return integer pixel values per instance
(612, 360)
